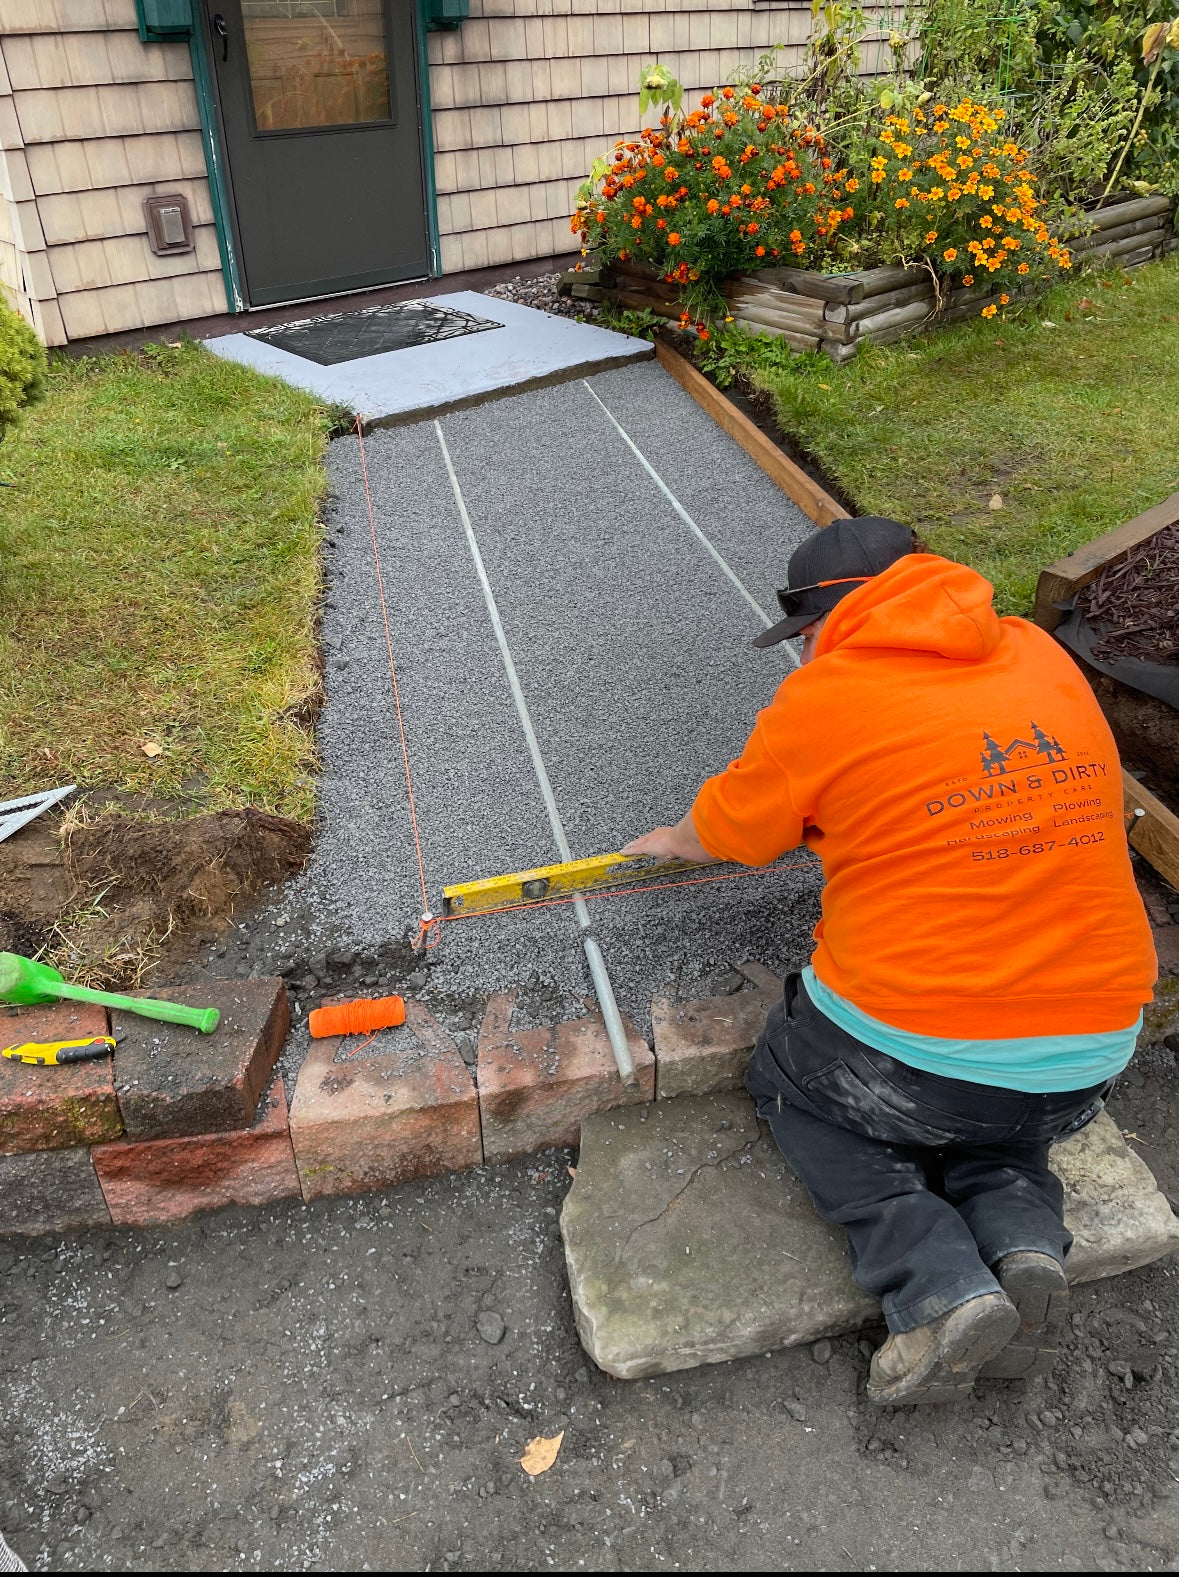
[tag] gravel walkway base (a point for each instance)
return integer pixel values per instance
(634, 656)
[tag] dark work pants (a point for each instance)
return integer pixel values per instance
(935, 1179)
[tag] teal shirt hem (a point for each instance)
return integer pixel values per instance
(1033, 1064)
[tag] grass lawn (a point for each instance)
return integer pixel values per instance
(1068, 412)
(159, 572)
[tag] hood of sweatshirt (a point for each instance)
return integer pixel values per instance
(922, 603)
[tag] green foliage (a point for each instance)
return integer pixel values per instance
(22, 366)
(639, 325)
(658, 86)
(730, 350)
(1073, 77)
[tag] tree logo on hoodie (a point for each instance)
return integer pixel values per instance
(1041, 747)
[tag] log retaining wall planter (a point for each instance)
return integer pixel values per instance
(835, 313)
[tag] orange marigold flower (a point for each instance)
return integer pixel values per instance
(930, 237)
(674, 238)
(752, 227)
(730, 117)
(950, 253)
(703, 334)
(713, 205)
(853, 184)
(755, 88)
(901, 202)
(726, 93)
(968, 279)
(1004, 300)
(1022, 269)
(759, 251)
(657, 159)
(707, 101)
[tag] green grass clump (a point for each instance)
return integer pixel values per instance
(1068, 412)
(159, 576)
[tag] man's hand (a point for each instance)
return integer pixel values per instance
(672, 843)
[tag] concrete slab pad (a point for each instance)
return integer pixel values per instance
(689, 1241)
(531, 350)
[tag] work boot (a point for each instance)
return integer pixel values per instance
(939, 1362)
(1038, 1287)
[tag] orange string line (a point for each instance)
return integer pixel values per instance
(355, 1018)
(413, 813)
(628, 892)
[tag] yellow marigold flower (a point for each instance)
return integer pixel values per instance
(931, 237)
(963, 142)
(964, 161)
(1004, 300)
(989, 312)
(968, 279)
(1022, 269)
(904, 175)
(950, 253)
(986, 222)
(954, 193)
(877, 177)
(901, 202)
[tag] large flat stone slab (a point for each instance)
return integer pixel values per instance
(689, 1241)
(528, 350)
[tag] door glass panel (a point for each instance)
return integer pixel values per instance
(317, 62)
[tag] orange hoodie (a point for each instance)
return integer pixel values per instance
(955, 775)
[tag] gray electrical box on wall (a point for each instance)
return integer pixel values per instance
(169, 224)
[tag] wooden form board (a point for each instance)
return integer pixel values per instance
(1061, 581)
(1155, 834)
(813, 500)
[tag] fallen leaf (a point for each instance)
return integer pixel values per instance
(996, 501)
(824, 386)
(1047, 323)
(572, 1170)
(1084, 304)
(540, 1454)
(152, 749)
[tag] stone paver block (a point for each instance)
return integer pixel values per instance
(173, 1082)
(689, 1241)
(537, 1086)
(160, 1181)
(55, 1108)
(50, 1191)
(377, 1120)
(704, 1045)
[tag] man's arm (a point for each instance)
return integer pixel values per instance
(744, 814)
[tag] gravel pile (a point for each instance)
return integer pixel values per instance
(541, 292)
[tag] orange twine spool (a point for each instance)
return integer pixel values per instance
(361, 1017)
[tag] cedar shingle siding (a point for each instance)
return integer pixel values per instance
(526, 94)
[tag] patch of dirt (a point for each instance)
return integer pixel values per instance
(105, 898)
(1145, 728)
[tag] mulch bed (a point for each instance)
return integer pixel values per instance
(1137, 599)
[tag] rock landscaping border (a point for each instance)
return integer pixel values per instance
(836, 313)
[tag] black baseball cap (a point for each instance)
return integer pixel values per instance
(832, 563)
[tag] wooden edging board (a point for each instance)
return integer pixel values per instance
(1061, 581)
(792, 479)
(1154, 833)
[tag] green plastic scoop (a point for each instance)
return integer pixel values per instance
(25, 983)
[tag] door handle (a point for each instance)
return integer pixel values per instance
(221, 28)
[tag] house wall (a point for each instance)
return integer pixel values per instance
(528, 93)
(92, 121)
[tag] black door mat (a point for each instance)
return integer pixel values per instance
(351, 336)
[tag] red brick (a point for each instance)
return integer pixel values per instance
(704, 1045)
(536, 1086)
(164, 1180)
(173, 1082)
(374, 1121)
(50, 1191)
(55, 1108)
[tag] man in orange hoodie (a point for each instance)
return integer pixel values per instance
(983, 956)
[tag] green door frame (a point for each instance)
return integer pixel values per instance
(198, 46)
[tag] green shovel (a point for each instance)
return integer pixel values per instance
(26, 983)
